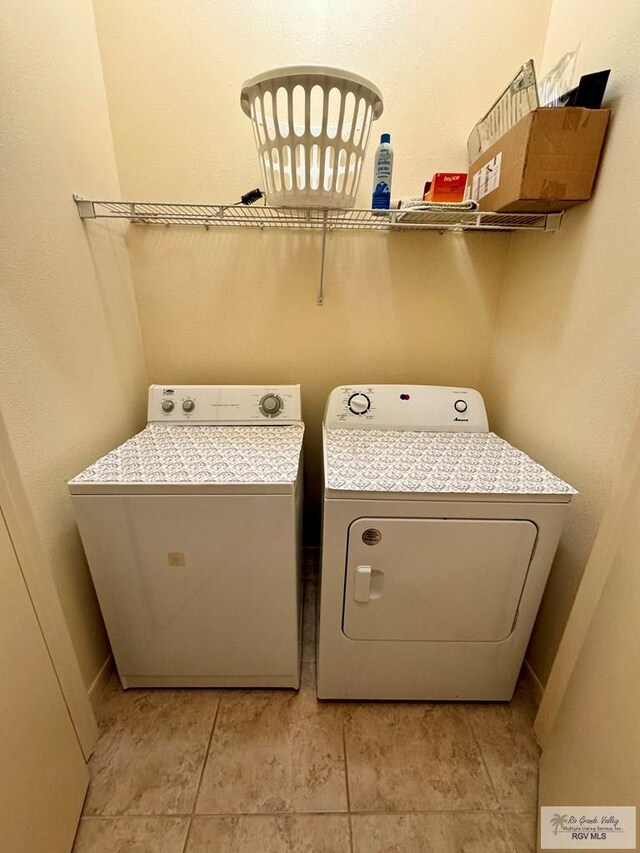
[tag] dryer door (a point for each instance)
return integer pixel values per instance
(435, 579)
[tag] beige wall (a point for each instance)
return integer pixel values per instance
(592, 754)
(563, 381)
(71, 368)
(44, 776)
(241, 306)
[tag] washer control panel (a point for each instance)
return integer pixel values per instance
(224, 404)
(426, 408)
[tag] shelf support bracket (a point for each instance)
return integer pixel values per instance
(322, 257)
(553, 221)
(86, 210)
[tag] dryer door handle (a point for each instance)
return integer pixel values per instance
(362, 590)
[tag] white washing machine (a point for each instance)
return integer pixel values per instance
(192, 533)
(438, 538)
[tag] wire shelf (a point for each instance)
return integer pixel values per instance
(318, 219)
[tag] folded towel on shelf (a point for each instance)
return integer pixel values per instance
(417, 204)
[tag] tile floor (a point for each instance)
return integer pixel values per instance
(242, 771)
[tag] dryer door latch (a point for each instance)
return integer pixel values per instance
(363, 583)
(368, 584)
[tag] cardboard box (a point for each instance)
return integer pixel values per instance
(546, 162)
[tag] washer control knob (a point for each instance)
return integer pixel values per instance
(189, 405)
(359, 404)
(460, 406)
(168, 406)
(271, 405)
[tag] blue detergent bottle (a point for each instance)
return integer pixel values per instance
(382, 170)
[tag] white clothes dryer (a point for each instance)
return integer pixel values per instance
(192, 533)
(438, 538)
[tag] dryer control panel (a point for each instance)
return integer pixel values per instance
(426, 408)
(224, 405)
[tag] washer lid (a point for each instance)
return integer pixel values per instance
(401, 461)
(198, 459)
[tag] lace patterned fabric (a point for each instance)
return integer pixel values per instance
(163, 453)
(401, 461)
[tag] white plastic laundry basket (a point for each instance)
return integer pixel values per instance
(311, 125)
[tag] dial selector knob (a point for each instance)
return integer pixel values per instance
(168, 406)
(359, 404)
(271, 405)
(189, 405)
(460, 405)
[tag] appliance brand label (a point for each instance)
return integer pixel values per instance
(371, 536)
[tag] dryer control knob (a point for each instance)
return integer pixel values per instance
(168, 406)
(460, 405)
(359, 404)
(189, 405)
(271, 405)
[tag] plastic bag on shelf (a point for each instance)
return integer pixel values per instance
(558, 81)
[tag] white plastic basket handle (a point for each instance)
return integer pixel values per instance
(332, 75)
